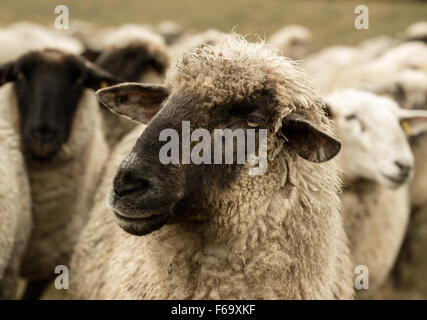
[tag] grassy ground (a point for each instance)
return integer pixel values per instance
(331, 21)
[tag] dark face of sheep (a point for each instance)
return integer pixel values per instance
(48, 86)
(131, 62)
(147, 194)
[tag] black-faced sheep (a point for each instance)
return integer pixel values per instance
(132, 53)
(46, 96)
(215, 231)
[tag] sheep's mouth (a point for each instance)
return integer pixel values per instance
(142, 226)
(397, 181)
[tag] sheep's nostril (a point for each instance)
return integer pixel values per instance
(405, 170)
(126, 183)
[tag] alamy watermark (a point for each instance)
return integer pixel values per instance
(207, 152)
(361, 282)
(63, 18)
(362, 20)
(62, 280)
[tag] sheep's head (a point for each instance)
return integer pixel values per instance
(236, 86)
(134, 53)
(132, 61)
(48, 86)
(374, 131)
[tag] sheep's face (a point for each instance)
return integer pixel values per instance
(131, 62)
(374, 133)
(48, 86)
(146, 193)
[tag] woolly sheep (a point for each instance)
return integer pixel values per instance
(377, 163)
(15, 206)
(65, 149)
(294, 41)
(231, 235)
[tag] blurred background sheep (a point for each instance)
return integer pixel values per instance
(138, 41)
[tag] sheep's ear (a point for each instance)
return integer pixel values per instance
(137, 101)
(309, 142)
(6, 73)
(97, 78)
(413, 122)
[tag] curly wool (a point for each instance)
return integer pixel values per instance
(276, 236)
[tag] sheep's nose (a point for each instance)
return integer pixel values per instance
(127, 182)
(405, 170)
(43, 134)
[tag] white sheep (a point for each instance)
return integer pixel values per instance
(409, 89)
(228, 234)
(294, 41)
(59, 122)
(15, 210)
(377, 163)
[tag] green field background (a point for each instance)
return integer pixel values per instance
(331, 21)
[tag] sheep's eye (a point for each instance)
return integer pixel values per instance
(79, 80)
(254, 121)
(20, 76)
(352, 117)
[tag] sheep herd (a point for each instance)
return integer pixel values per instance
(339, 213)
